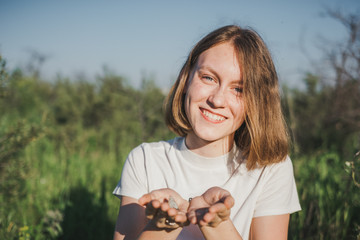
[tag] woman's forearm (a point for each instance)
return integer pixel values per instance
(225, 230)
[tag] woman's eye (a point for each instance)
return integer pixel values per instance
(208, 78)
(238, 89)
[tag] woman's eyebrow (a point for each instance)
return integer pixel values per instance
(205, 67)
(240, 82)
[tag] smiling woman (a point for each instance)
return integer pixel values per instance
(231, 159)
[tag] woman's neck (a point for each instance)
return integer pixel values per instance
(209, 148)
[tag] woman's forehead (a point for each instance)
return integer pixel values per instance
(221, 58)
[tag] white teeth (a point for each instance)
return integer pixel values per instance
(213, 116)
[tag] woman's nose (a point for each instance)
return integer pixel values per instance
(217, 98)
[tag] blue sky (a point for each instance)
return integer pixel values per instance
(133, 38)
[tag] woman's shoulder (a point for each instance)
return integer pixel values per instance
(283, 168)
(286, 163)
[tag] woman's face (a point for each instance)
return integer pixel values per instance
(214, 104)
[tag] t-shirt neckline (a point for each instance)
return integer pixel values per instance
(207, 162)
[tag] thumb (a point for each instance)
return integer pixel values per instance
(229, 202)
(191, 215)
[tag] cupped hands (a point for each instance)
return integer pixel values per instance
(166, 209)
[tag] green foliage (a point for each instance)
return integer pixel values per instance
(329, 199)
(14, 171)
(62, 147)
(325, 140)
(324, 118)
(318, 118)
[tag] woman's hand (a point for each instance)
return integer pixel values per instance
(165, 208)
(211, 208)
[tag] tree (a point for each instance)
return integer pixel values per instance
(327, 114)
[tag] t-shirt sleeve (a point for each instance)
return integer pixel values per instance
(133, 177)
(279, 194)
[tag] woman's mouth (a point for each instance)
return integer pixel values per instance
(212, 116)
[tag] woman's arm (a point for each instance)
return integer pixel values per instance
(270, 227)
(131, 219)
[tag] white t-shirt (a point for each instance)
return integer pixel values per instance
(270, 190)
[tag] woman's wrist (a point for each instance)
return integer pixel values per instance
(151, 231)
(225, 230)
(153, 226)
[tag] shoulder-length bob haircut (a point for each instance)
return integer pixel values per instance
(263, 137)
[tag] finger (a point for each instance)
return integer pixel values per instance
(179, 220)
(180, 217)
(172, 212)
(203, 223)
(224, 195)
(193, 220)
(154, 204)
(146, 198)
(191, 216)
(159, 194)
(229, 202)
(218, 207)
(165, 206)
(211, 219)
(224, 215)
(220, 210)
(208, 217)
(152, 209)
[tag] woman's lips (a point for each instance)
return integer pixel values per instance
(213, 117)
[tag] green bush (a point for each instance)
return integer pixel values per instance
(329, 198)
(62, 147)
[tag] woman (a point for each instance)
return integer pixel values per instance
(228, 175)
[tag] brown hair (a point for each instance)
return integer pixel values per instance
(263, 137)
